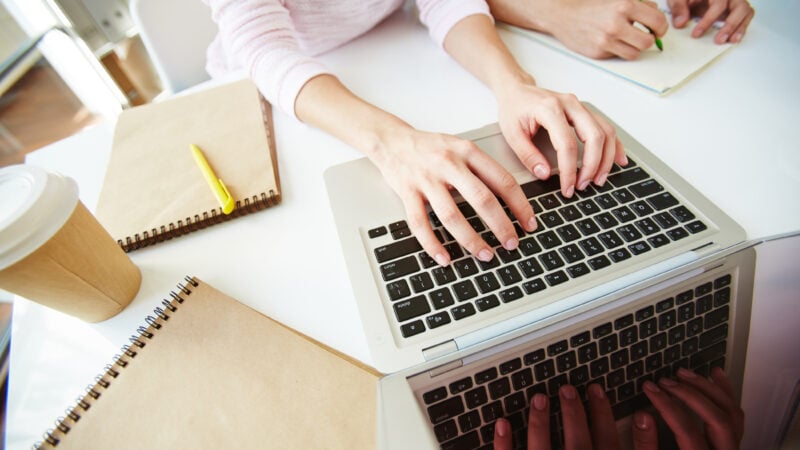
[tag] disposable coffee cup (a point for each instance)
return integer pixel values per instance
(53, 251)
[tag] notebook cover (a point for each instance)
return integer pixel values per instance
(153, 189)
(657, 71)
(215, 374)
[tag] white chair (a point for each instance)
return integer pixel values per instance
(176, 34)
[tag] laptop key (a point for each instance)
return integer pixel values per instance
(444, 275)
(696, 227)
(646, 188)
(588, 207)
(434, 395)
(413, 307)
(677, 234)
(548, 239)
(591, 246)
(619, 255)
(399, 268)
(662, 201)
(578, 270)
(412, 328)
(486, 303)
(658, 240)
(623, 195)
(568, 233)
(508, 256)
(446, 430)
(641, 208)
(551, 260)
(397, 249)
(376, 232)
(522, 379)
(530, 268)
(466, 267)
(499, 388)
(441, 298)
(398, 289)
(487, 282)
(509, 295)
(464, 290)
(529, 246)
(469, 440)
(556, 278)
(627, 177)
(475, 397)
(534, 286)
(682, 213)
(534, 357)
(486, 375)
(438, 319)
(462, 311)
(421, 282)
(469, 421)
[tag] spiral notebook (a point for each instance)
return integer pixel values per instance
(154, 191)
(207, 372)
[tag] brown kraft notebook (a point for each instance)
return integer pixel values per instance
(207, 372)
(153, 190)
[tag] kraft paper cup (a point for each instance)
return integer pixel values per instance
(54, 251)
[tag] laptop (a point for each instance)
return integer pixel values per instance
(603, 263)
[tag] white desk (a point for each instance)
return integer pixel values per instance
(731, 132)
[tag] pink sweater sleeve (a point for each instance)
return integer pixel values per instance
(441, 15)
(259, 37)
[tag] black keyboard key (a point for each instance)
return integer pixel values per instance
(399, 225)
(635, 370)
(462, 311)
(578, 270)
(400, 268)
(427, 261)
(610, 239)
(441, 298)
(599, 367)
(629, 233)
(486, 303)
(444, 275)
(587, 226)
(487, 282)
(638, 351)
(466, 267)
(556, 278)
(553, 385)
(413, 307)
(421, 282)
(438, 319)
(658, 240)
(676, 334)
(666, 320)
(499, 388)
(628, 336)
(606, 201)
(703, 289)
(606, 220)
(446, 430)
(475, 397)
(491, 264)
(677, 234)
(623, 214)
(665, 220)
(716, 317)
(515, 402)
(469, 421)
(662, 201)
(544, 370)
(376, 232)
(477, 224)
(511, 294)
(645, 313)
(608, 344)
(641, 208)
(534, 188)
(628, 407)
(469, 440)
(568, 233)
(486, 375)
(658, 342)
(619, 255)
(530, 268)
(682, 214)
(602, 330)
(647, 226)
(551, 219)
(397, 249)
(722, 281)
(579, 376)
(571, 253)
(645, 188)
(529, 246)
(533, 286)
(508, 256)
(637, 248)
(648, 328)
(615, 378)
(627, 177)
(713, 335)
(412, 328)
(548, 239)
(591, 246)
(696, 227)
(557, 348)
(434, 395)
(588, 207)
(509, 275)
(492, 411)
(510, 366)
(401, 233)
(587, 352)
(549, 201)
(534, 357)
(580, 339)
(570, 213)
(722, 296)
(707, 355)
(623, 195)
(619, 358)
(623, 322)
(567, 361)
(398, 289)
(598, 262)
(551, 260)
(522, 379)
(464, 290)
(454, 250)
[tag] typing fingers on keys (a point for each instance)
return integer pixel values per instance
(720, 392)
(603, 425)
(687, 434)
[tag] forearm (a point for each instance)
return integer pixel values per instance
(325, 103)
(475, 44)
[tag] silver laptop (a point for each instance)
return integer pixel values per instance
(608, 270)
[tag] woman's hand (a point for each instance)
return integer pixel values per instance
(736, 15)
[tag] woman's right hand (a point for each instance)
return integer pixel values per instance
(424, 168)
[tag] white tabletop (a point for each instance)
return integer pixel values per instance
(731, 132)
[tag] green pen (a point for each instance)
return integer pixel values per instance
(658, 40)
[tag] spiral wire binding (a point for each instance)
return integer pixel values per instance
(63, 425)
(199, 221)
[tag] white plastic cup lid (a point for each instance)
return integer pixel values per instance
(34, 205)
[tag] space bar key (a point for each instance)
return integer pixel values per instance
(397, 249)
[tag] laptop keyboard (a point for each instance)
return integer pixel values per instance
(649, 342)
(627, 217)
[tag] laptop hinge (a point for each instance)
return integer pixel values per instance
(438, 350)
(445, 368)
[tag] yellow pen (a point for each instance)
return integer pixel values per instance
(217, 186)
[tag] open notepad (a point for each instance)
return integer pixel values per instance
(153, 189)
(660, 72)
(207, 372)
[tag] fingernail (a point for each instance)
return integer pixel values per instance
(568, 392)
(641, 420)
(583, 185)
(570, 192)
(601, 180)
(442, 259)
(501, 427)
(624, 159)
(540, 171)
(669, 382)
(650, 386)
(511, 244)
(597, 392)
(532, 225)
(724, 38)
(540, 402)
(683, 373)
(737, 37)
(485, 255)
